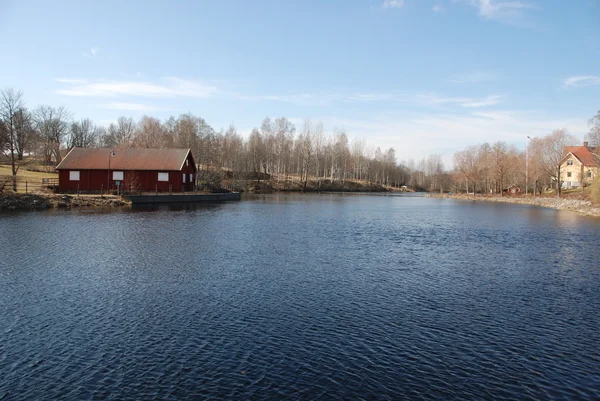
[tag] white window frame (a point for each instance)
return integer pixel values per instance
(191, 178)
(187, 162)
(570, 162)
(74, 175)
(184, 178)
(163, 177)
(118, 176)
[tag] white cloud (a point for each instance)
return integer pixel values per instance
(500, 10)
(473, 77)
(417, 135)
(488, 101)
(124, 106)
(91, 53)
(438, 8)
(393, 4)
(432, 99)
(581, 81)
(166, 87)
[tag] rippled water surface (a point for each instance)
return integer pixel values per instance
(301, 297)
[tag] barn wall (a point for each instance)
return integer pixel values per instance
(147, 181)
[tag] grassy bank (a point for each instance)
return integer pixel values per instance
(312, 185)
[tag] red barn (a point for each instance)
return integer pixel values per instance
(127, 169)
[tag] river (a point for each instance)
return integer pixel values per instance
(301, 297)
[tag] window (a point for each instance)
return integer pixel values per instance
(191, 178)
(589, 173)
(570, 162)
(117, 176)
(569, 174)
(163, 177)
(74, 175)
(187, 162)
(184, 178)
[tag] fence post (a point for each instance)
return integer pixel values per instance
(156, 189)
(25, 186)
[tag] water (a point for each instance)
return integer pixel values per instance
(301, 297)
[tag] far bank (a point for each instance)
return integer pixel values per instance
(580, 206)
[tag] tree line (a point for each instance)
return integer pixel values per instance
(277, 148)
(489, 168)
(281, 150)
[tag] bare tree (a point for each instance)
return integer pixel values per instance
(84, 134)
(150, 133)
(11, 102)
(593, 136)
(552, 152)
(24, 131)
(52, 125)
(120, 133)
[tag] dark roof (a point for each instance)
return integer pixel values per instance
(124, 159)
(585, 154)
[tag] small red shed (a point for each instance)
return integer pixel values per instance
(513, 190)
(127, 169)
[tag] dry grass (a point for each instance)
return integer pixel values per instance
(595, 191)
(25, 178)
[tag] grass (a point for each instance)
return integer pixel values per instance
(30, 180)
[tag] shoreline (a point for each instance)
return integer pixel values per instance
(579, 206)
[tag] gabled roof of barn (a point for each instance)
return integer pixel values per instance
(124, 159)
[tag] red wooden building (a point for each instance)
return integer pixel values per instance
(127, 169)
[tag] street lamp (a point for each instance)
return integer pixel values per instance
(112, 153)
(527, 164)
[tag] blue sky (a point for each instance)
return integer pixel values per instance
(421, 76)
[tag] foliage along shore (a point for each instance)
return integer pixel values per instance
(580, 206)
(46, 200)
(314, 185)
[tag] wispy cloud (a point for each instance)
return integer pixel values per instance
(90, 53)
(124, 106)
(438, 8)
(581, 81)
(393, 4)
(414, 99)
(166, 87)
(416, 135)
(432, 99)
(488, 101)
(500, 10)
(473, 77)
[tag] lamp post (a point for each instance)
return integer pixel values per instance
(526, 166)
(112, 153)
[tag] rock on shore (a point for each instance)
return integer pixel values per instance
(584, 207)
(12, 201)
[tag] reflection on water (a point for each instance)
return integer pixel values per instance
(301, 297)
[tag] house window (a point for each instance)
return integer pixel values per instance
(74, 175)
(569, 174)
(184, 178)
(191, 177)
(117, 176)
(187, 162)
(163, 177)
(570, 162)
(589, 173)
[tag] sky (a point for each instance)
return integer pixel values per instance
(421, 76)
